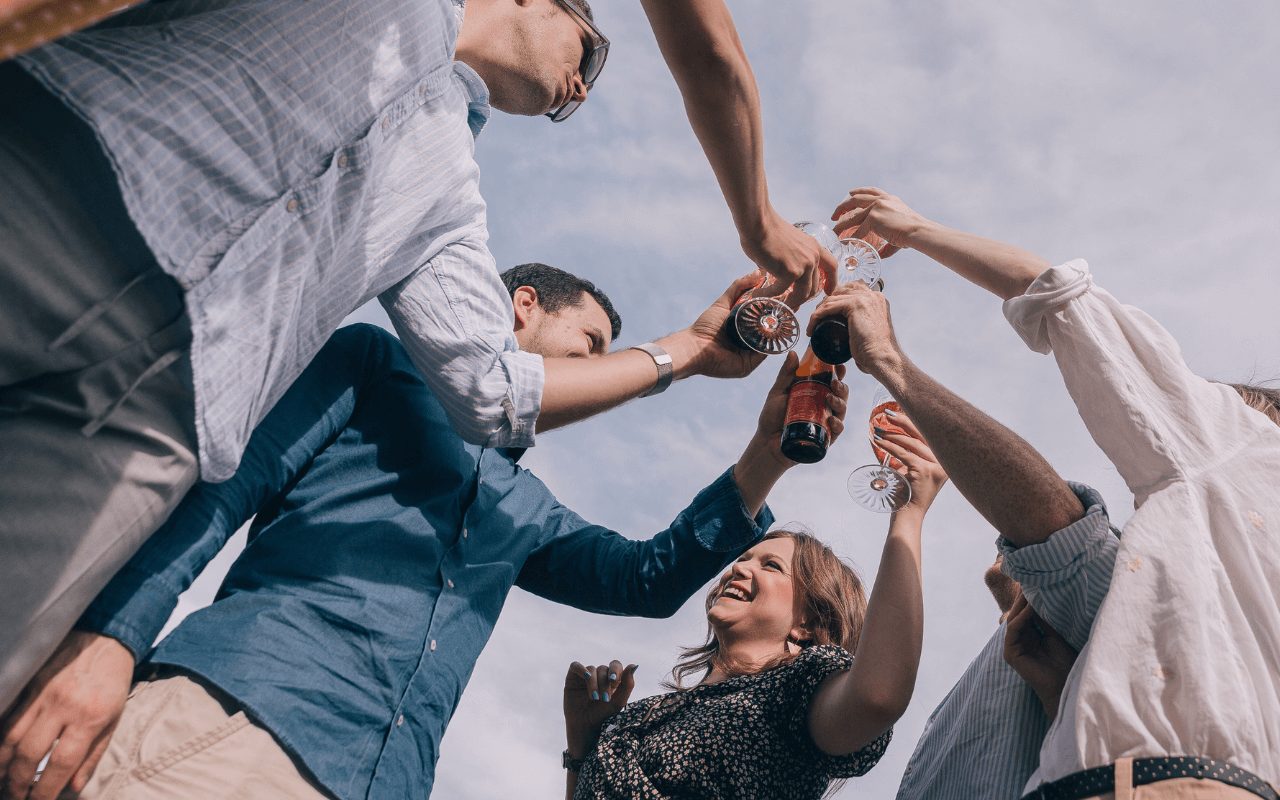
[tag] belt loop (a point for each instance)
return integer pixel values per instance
(1124, 778)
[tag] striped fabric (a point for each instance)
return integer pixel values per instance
(983, 740)
(288, 160)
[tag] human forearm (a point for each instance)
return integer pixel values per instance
(997, 471)
(757, 471)
(853, 708)
(577, 388)
(702, 49)
(1000, 268)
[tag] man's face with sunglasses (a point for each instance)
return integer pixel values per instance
(595, 49)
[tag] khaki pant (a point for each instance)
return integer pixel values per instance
(97, 434)
(1176, 789)
(178, 739)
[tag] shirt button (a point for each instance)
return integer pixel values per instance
(343, 161)
(400, 720)
(292, 205)
(386, 123)
(464, 533)
(433, 645)
(449, 583)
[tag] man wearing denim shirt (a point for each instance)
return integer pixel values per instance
(381, 555)
(1056, 547)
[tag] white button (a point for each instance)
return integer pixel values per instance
(449, 583)
(433, 645)
(464, 533)
(343, 161)
(292, 205)
(400, 720)
(386, 123)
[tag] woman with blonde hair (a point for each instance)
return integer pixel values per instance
(798, 684)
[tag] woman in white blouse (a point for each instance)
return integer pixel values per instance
(1177, 691)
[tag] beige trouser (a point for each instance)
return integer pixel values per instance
(96, 408)
(1176, 789)
(178, 739)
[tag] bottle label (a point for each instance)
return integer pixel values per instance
(807, 401)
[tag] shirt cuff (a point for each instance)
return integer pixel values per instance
(721, 522)
(133, 609)
(1053, 289)
(1065, 550)
(523, 401)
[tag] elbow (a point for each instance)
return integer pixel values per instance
(886, 706)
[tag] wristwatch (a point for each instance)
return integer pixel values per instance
(570, 763)
(662, 360)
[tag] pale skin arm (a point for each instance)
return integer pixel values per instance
(1002, 269)
(577, 388)
(700, 44)
(851, 708)
(997, 471)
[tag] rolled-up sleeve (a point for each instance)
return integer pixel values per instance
(1153, 417)
(454, 318)
(1066, 577)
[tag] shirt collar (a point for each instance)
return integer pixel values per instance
(478, 108)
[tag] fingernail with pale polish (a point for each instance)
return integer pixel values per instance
(879, 432)
(889, 412)
(613, 676)
(606, 697)
(595, 695)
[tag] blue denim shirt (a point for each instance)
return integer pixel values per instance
(382, 552)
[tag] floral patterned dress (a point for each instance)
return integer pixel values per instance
(743, 738)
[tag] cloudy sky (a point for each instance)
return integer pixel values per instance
(1139, 135)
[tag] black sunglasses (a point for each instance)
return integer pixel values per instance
(592, 61)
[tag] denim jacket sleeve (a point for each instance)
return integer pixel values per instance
(595, 569)
(135, 605)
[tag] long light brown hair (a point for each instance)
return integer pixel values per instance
(829, 595)
(1260, 398)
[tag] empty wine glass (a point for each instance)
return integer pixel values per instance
(880, 487)
(763, 324)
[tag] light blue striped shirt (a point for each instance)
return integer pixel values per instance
(288, 160)
(983, 740)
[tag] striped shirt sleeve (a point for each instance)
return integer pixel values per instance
(1066, 577)
(454, 317)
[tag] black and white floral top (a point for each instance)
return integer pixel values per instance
(745, 737)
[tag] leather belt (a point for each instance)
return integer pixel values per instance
(1100, 780)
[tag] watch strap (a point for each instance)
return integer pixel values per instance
(661, 360)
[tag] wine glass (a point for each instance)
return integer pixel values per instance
(767, 324)
(763, 324)
(880, 487)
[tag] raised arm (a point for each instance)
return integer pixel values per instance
(1151, 415)
(852, 708)
(998, 472)
(701, 47)
(79, 694)
(1002, 269)
(596, 569)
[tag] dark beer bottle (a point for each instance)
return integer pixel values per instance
(804, 431)
(830, 340)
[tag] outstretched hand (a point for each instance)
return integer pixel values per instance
(869, 211)
(71, 707)
(795, 259)
(714, 354)
(919, 465)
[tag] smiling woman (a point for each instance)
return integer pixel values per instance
(781, 708)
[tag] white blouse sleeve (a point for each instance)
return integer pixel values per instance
(1153, 417)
